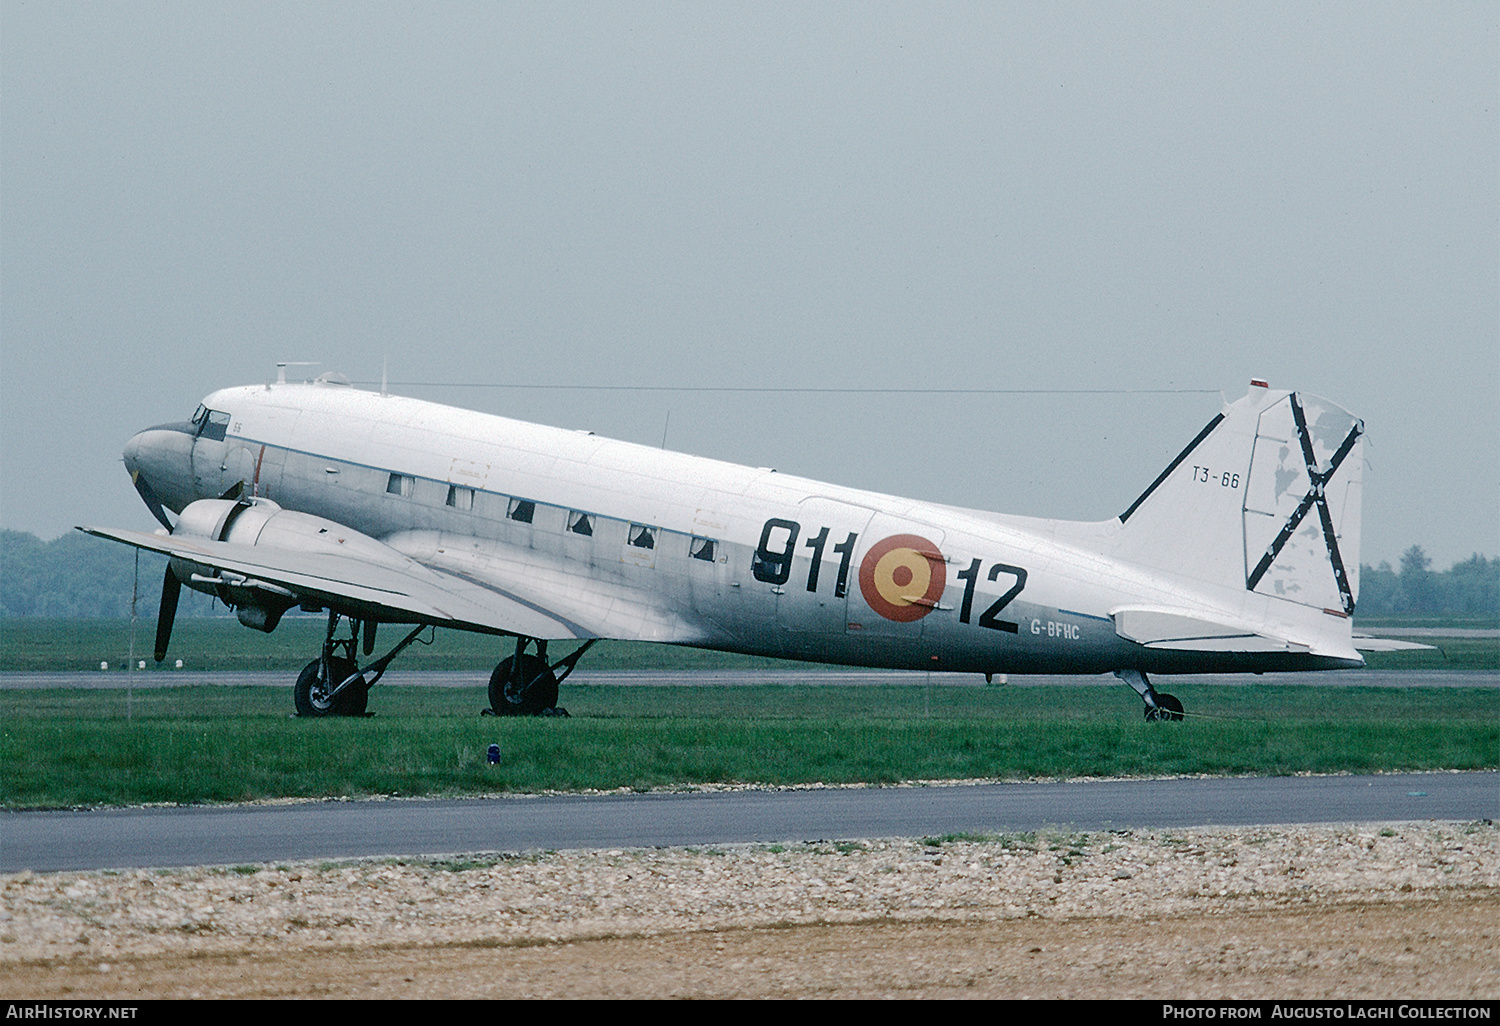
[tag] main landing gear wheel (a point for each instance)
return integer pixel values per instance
(1168, 709)
(312, 691)
(531, 691)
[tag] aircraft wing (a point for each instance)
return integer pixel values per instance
(605, 605)
(384, 585)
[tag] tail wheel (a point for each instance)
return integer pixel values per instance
(1168, 708)
(312, 691)
(530, 692)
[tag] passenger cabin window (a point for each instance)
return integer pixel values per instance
(400, 484)
(460, 497)
(701, 548)
(212, 424)
(521, 510)
(580, 523)
(641, 536)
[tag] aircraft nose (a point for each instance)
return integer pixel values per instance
(132, 453)
(159, 460)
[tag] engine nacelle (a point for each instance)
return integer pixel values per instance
(260, 604)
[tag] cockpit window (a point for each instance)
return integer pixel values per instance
(212, 424)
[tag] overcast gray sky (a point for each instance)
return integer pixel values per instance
(1036, 197)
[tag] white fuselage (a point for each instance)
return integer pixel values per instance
(624, 541)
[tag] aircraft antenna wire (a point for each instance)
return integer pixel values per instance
(806, 390)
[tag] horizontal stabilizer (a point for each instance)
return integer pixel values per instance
(1368, 644)
(1179, 630)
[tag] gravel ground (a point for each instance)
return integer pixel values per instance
(1404, 910)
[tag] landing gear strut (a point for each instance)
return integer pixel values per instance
(526, 685)
(1160, 707)
(334, 684)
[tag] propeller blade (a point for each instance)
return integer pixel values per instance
(171, 588)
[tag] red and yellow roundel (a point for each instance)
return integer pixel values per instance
(902, 577)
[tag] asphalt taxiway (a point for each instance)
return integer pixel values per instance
(141, 837)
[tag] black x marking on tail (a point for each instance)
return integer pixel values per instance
(1314, 497)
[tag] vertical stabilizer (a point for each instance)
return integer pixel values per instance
(1266, 499)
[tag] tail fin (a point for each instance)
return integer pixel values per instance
(1266, 498)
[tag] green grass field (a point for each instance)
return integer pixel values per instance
(221, 643)
(212, 744)
(63, 748)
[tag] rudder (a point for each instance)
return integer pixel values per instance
(1266, 498)
(1302, 504)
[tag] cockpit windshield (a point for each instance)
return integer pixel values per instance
(211, 424)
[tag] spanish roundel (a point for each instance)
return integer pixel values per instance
(902, 577)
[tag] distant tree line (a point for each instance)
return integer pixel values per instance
(80, 576)
(1468, 588)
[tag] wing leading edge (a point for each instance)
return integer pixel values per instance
(397, 589)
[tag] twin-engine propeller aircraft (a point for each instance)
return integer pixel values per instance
(1241, 556)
